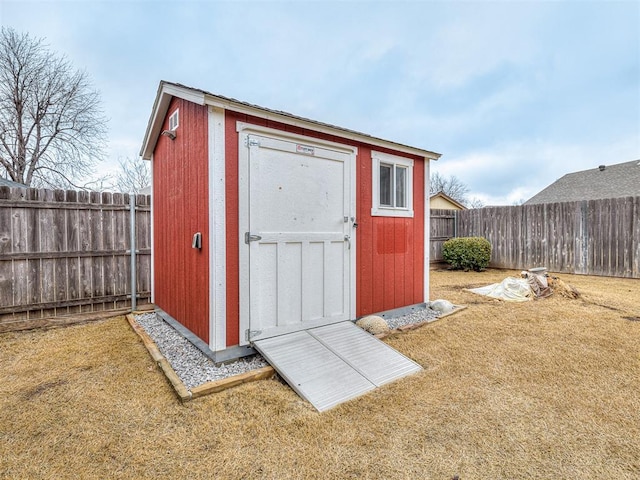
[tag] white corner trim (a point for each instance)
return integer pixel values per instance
(153, 239)
(217, 232)
(427, 229)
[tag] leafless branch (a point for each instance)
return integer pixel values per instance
(52, 128)
(453, 187)
(134, 175)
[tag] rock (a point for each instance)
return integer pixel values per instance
(373, 324)
(442, 306)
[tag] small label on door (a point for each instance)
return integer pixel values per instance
(305, 149)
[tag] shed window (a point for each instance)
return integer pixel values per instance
(392, 185)
(173, 120)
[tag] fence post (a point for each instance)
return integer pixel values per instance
(455, 224)
(582, 239)
(132, 215)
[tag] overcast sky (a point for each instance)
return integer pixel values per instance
(513, 94)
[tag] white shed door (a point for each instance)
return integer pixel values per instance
(299, 237)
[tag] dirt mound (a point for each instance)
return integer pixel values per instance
(564, 289)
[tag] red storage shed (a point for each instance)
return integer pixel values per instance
(266, 223)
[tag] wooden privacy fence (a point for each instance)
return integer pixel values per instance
(67, 252)
(595, 237)
(443, 226)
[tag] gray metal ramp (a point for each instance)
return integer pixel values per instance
(372, 358)
(332, 364)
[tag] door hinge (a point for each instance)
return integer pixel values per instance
(251, 142)
(248, 333)
(248, 238)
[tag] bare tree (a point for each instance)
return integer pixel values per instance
(52, 128)
(453, 187)
(475, 202)
(133, 176)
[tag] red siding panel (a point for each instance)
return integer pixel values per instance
(232, 228)
(180, 209)
(419, 196)
(390, 250)
(366, 235)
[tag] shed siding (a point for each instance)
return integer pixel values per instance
(390, 251)
(390, 256)
(180, 209)
(232, 220)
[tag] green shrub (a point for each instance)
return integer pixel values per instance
(467, 253)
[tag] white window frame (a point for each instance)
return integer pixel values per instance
(377, 210)
(175, 116)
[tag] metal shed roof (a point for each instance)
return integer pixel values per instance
(167, 90)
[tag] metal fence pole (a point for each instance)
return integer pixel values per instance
(132, 215)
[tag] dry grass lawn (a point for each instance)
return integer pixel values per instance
(545, 389)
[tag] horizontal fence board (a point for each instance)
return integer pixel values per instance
(45, 205)
(64, 252)
(71, 254)
(70, 303)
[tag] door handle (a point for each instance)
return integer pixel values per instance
(248, 238)
(347, 239)
(196, 242)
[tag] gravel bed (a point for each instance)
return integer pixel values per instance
(194, 368)
(414, 317)
(190, 364)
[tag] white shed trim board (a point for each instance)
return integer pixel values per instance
(153, 289)
(217, 232)
(427, 231)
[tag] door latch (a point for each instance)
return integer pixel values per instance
(248, 238)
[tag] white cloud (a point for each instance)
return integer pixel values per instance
(514, 94)
(479, 37)
(512, 172)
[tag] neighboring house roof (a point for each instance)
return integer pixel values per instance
(605, 181)
(10, 183)
(167, 90)
(443, 201)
